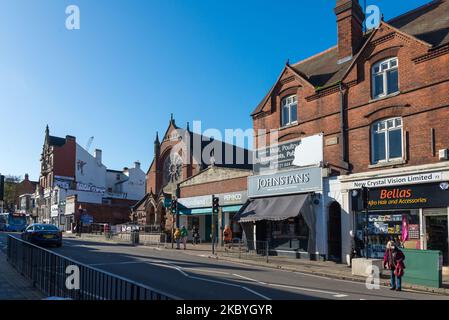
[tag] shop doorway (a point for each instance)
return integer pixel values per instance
(437, 234)
(334, 232)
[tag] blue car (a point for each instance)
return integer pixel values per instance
(43, 234)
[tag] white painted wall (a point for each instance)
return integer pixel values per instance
(92, 171)
(135, 185)
(131, 182)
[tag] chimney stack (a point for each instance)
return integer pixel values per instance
(98, 156)
(137, 165)
(350, 28)
(27, 177)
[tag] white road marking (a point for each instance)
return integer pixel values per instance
(305, 289)
(207, 271)
(340, 295)
(246, 278)
(332, 279)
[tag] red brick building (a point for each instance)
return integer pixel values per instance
(57, 160)
(380, 98)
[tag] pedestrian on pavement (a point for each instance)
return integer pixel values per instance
(394, 261)
(227, 235)
(177, 237)
(195, 235)
(184, 236)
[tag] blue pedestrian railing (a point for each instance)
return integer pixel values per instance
(54, 275)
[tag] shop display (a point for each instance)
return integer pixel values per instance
(381, 228)
(413, 231)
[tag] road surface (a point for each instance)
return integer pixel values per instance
(195, 277)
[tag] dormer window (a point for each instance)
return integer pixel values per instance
(385, 78)
(289, 111)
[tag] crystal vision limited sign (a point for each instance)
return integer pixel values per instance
(289, 182)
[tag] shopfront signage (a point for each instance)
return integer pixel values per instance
(287, 182)
(63, 184)
(295, 153)
(89, 188)
(225, 199)
(434, 195)
(54, 210)
(400, 180)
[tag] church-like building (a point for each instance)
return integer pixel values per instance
(179, 155)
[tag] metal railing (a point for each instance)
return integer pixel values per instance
(48, 272)
(248, 250)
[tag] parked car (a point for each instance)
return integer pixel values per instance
(43, 234)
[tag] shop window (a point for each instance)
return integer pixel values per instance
(193, 221)
(290, 234)
(386, 140)
(385, 78)
(289, 110)
(384, 226)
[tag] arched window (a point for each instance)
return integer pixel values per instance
(289, 110)
(387, 140)
(385, 78)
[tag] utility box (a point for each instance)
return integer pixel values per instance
(423, 267)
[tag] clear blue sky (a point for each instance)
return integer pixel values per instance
(135, 61)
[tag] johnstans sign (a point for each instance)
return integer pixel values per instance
(286, 182)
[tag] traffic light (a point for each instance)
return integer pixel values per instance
(2, 187)
(174, 206)
(365, 197)
(215, 204)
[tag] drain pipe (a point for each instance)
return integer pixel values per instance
(342, 127)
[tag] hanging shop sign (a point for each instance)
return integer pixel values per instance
(434, 195)
(294, 153)
(287, 182)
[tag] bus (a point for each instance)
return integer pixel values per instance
(13, 222)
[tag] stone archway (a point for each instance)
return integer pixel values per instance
(160, 216)
(151, 216)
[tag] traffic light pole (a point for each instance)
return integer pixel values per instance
(215, 210)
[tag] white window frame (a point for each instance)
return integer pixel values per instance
(386, 130)
(385, 78)
(288, 102)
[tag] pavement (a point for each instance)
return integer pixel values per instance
(196, 275)
(13, 286)
(326, 269)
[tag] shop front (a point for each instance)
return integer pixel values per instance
(284, 210)
(196, 212)
(415, 215)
